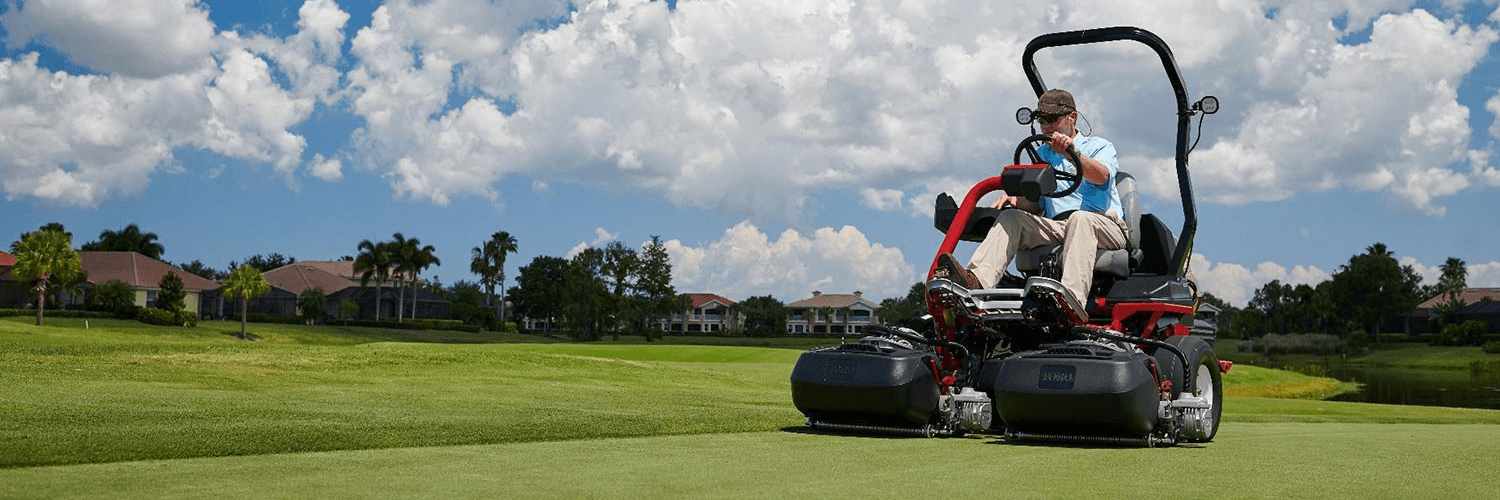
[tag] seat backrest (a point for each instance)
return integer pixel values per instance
(1130, 202)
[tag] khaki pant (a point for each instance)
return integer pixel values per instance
(1081, 235)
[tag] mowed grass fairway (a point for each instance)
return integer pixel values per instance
(123, 410)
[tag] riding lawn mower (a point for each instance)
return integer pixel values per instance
(1026, 360)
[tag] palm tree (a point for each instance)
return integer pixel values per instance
(489, 263)
(44, 258)
(245, 282)
(312, 303)
(826, 314)
(373, 262)
(399, 250)
(129, 239)
(411, 258)
(481, 263)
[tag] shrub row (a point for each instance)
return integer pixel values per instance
(1472, 332)
(1311, 343)
(154, 316)
(58, 313)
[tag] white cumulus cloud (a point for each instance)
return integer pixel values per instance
(750, 108)
(746, 262)
(1236, 284)
(132, 38)
(601, 238)
(167, 81)
(328, 169)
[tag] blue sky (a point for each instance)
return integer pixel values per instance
(778, 147)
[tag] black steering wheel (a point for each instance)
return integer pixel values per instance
(1074, 179)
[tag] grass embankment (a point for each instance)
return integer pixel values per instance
(1403, 355)
(1256, 382)
(389, 419)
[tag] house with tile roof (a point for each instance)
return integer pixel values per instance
(1481, 304)
(11, 293)
(1467, 296)
(143, 274)
(706, 313)
(339, 281)
(831, 314)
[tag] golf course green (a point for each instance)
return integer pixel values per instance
(118, 409)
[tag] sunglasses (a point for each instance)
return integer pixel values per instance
(1047, 119)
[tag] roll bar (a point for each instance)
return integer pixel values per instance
(1184, 249)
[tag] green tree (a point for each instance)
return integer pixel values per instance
(411, 258)
(620, 270)
(171, 298)
(1270, 301)
(906, 311)
(469, 304)
(653, 286)
(312, 304)
(1450, 285)
(201, 270)
(488, 263)
(245, 282)
(348, 309)
(45, 258)
(265, 263)
(764, 316)
(541, 289)
(1373, 286)
(114, 296)
(585, 309)
(826, 315)
(374, 262)
(129, 239)
(1454, 278)
(52, 226)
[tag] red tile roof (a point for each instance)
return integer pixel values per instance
(1468, 296)
(6, 259)
(136, 270)
(344, 268)
(834, 300)
(302, 276)
(699, 299)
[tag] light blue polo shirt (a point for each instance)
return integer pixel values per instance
(1091, 197)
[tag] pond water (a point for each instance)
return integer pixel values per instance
(1461, 388)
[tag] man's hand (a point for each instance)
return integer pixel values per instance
(1061, 143)
(1018, 202)
(1091, 169)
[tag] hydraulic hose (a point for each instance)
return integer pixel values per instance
(896, 332)
(1187, 370)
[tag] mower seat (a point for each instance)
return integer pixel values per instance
(1117, 263)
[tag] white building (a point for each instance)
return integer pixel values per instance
(831, 314)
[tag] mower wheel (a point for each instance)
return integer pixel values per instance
(1207, 378)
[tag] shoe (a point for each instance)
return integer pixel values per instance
(949, 269)
(1059, 297)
